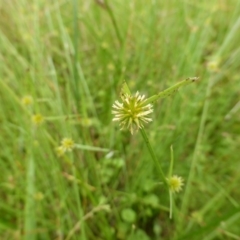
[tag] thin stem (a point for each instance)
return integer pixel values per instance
(171, 203)
(186, 197)
(171, 162)
(110, 12)
(75, 82)
(153, 155)
(29, 218)
(78, 198)
(169, 176)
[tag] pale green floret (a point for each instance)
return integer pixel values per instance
(60, 151)
(132, 113)
(67, 144)
(175, 183)
(37, 119)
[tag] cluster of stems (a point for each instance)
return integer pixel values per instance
(133, 113)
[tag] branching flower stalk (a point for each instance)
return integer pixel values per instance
(67, 145)
(133, 112)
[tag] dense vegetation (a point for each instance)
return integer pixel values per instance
(62, 67)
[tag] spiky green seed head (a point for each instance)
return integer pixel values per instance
(132, 113)
(175, 183)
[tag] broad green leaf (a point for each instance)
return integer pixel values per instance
(129, 215)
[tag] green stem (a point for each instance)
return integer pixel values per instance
(171, 162)
(171, 203)
(153, 155)
(75, 82)
(78, 199)
(29, 211)
(110, 12)
(187, 195)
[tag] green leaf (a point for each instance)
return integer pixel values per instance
(171, 90)
(151, 200)
(128, 215)
(124, 90)
(138, 235)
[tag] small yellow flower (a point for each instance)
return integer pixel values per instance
(175, 183)
(39, 196)
(104, 45)
(60, 151)
(37, 119)
(213, 66)
(27, 100)
(87, 122)
(67, 144)
(111, 67)
(132, 113)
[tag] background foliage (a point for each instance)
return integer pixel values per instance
(71, 57)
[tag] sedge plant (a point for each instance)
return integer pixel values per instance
(133, 113)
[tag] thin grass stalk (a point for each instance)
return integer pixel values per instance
(114, 22)
(78, 200)
(153, 155)
(186, 197)
(29, 213)
(75, 82)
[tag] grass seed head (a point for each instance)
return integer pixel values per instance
(175, 183)
(213, 66)
(27, 100)
(67, 144)
(60, 151)
(37, 119)
(132, 113)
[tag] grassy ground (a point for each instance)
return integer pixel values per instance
(71, 58)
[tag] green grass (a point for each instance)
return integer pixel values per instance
(72, 57)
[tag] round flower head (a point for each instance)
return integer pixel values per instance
(132, 113)
(27, 100)
(67, 144)
(60, 151)
(175, 183)
(37, 119)
(213, 66)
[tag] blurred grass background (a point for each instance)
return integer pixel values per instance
(71, 58)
